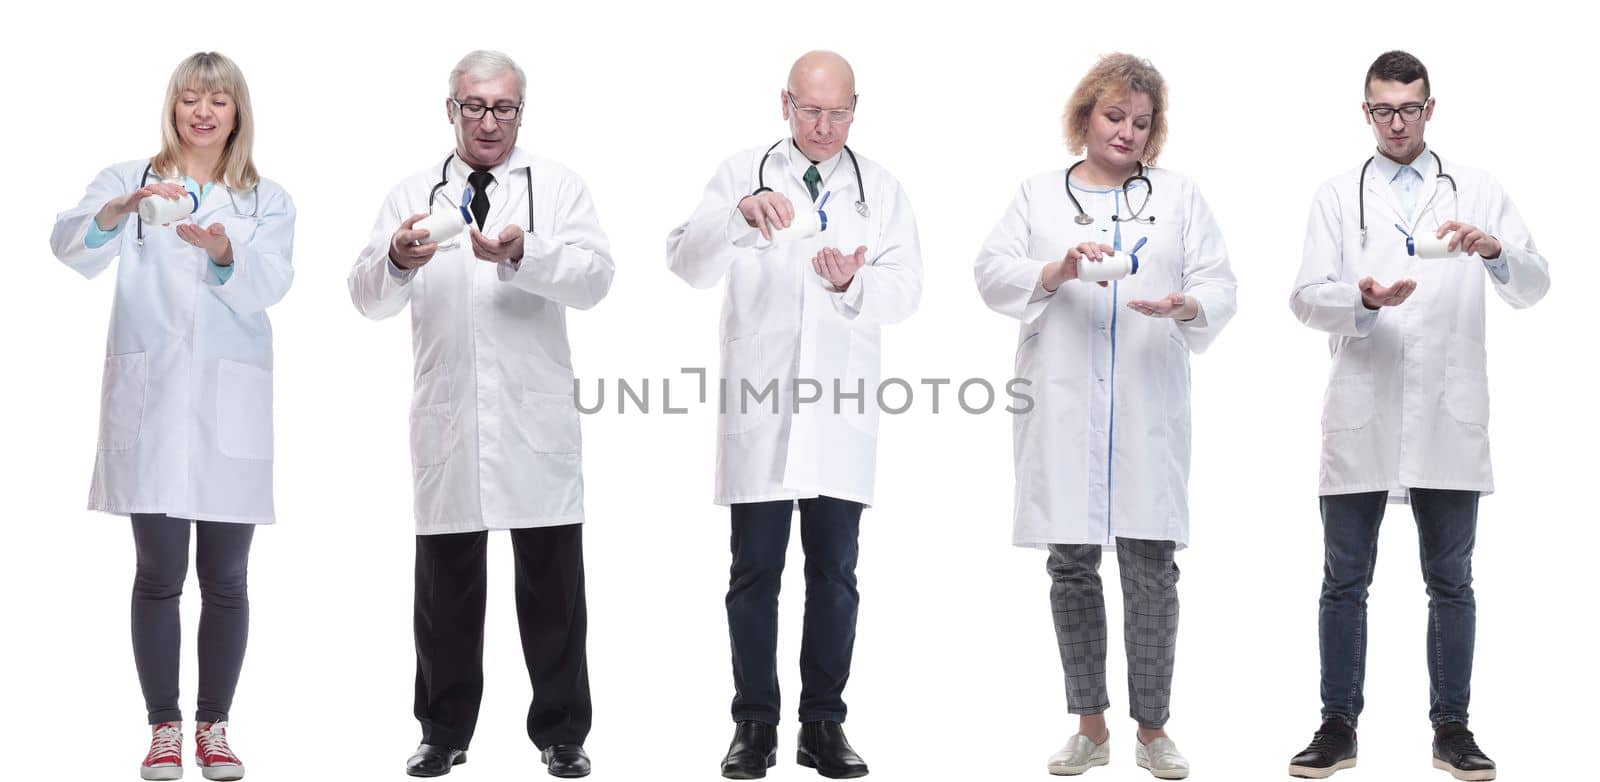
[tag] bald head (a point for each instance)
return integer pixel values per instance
(823, 86)
(822, 70)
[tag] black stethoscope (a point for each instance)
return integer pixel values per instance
(861, 188)
(255, 200)
(1083, 217)
(1361, 189)
(444, 179)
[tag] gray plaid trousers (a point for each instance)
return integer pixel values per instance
(1149, 624)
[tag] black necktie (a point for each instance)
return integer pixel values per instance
(480, 195)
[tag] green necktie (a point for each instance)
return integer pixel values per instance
(813, 181)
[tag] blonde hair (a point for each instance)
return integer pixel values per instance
(210, 72)
(1117, 75)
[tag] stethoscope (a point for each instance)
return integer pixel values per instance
(861, 189)
(1361, 190)
(444, 179)
(1083, 217)
(255, 200)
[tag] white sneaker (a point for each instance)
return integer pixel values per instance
(1079, 755)
(1162, 758)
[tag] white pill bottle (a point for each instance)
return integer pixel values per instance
(160, 210)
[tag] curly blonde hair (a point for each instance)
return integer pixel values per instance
(1113, 76)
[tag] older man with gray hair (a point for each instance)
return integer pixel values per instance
(800, 315)
(512, 242)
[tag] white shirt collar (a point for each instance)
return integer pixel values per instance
(801, 162)
(1389, 169)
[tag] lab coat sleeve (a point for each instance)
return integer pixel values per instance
(1008, 280)
(702, 250)
(1529, 275)
(262, 267)
(1323, 297)
(377, 289)
(573, 266)
(67, 239)
(1207, 275)
(888, 287)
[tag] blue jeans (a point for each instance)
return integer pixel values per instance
(1447, 523)
(829, 529)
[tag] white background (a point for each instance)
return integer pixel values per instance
(956, 672)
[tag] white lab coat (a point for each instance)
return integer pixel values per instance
(186, 395)
(494, 423)
(1407, 403)
(1104, 453)
(780, 321)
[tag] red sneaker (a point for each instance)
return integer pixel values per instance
(212, 754)
(165, 760)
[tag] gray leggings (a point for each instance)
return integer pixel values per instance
(1149, 625)
(222, 554)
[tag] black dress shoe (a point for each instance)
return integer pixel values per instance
(754, 749)
(565, 760)
(434, 760)
(824, 748)
(1332, 748)
(1455, 751)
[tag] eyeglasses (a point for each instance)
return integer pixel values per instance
(1409, 113)
(477, 110)
(811, 114)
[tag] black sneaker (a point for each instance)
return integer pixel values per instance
(1332, 748)
(1455, 751)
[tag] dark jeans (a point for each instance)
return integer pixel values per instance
(222, 558)
(828, 533)
(1447, 523)
(552, 618)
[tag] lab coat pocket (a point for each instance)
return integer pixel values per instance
(240, 229)
(122, 401)
(244, 410)
(741, 361)
(1348, 404)
(432, 418)
(861, 375)
(1466, 395)
(552, 422)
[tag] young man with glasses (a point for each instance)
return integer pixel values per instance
(799, 417)
(1407, 407)
(494, 428)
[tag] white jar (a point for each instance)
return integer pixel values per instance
(159, 210)
(1108, 269)
(442, 226)
(804, 226)
(1430, 248)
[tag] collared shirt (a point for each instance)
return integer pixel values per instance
(827, 168)
(96, 238)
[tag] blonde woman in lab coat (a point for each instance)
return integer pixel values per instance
(186, 403)
(1102, 458)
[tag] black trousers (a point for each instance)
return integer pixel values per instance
(828, 533)
(451, 591)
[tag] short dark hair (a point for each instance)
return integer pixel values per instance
(1397, 66)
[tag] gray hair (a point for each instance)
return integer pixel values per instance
(485, 64)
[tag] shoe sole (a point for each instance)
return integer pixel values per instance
(806, 760)
(1312, 772)
(460, 760)
(1468, 776)
(222, 773)
(161, 772)
(1145, 764)
(772, 760)
(1072, 771)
